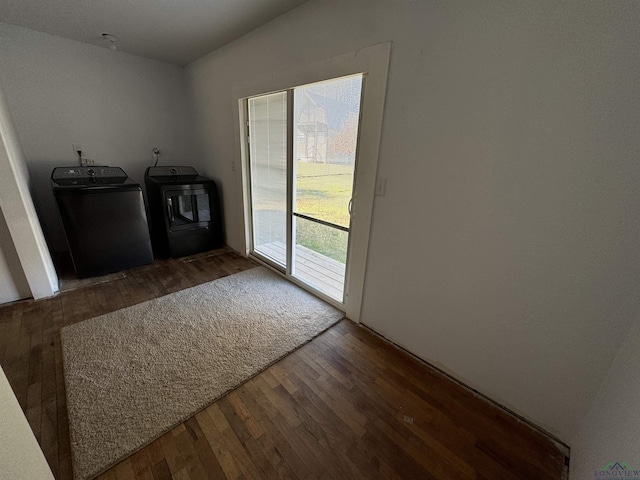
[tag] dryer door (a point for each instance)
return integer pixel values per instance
(187, 208)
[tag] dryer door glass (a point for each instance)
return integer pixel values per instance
(204, 209)
(187, 209)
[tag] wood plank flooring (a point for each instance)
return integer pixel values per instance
(347, 405)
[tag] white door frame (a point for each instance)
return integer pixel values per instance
(373, 61)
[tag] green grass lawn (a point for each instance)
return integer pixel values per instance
(323, 191)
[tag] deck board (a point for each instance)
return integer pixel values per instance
(316, 269)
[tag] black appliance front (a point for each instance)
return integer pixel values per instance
(104, 219)
(184, 210)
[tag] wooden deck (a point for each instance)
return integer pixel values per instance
(321, 272)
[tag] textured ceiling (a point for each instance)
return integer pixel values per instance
(175, 31)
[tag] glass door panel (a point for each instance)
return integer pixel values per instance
(267, 116)
(325, 126)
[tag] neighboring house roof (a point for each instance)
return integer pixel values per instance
(336, 112)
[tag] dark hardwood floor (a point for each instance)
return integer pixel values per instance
(346, 405)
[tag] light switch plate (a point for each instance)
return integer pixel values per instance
(381, 187)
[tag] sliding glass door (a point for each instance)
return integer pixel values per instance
(302, 156)
(267, 116)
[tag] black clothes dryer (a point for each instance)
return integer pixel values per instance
(104, 219)
(184, 211)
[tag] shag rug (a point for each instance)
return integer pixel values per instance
(133, 374)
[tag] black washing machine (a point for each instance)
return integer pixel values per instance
(184, 211)
(104, 219)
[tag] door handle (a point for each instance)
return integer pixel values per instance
(350, 208)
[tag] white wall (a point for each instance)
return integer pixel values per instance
(117, 106)
(20, 454)
(23, 242)
(609, 432)
(13, 283)
(506, 247)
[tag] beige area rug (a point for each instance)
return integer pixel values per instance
(133, 374)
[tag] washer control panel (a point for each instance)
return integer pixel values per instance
(86, 175)
(79, 172)
(171, 171)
